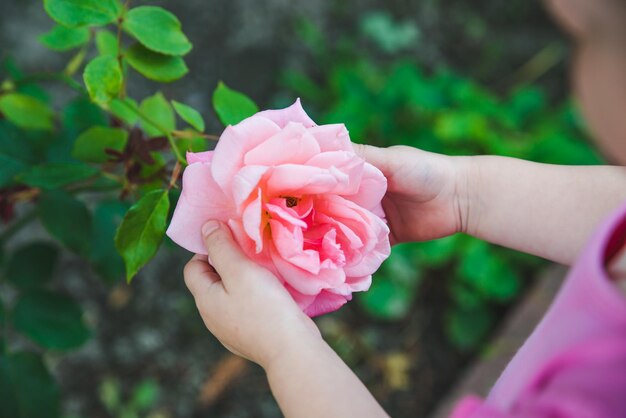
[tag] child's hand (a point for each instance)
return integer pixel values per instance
(427, 193)
(243, 304)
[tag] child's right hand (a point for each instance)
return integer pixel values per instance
(427, 194)
(541, 209)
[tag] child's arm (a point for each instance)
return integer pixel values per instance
(309, 380)
(546, 210)
(541, 209)
(253, 315)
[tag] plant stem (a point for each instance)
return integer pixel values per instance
(120, 56)
(190, 135)
(538, 65)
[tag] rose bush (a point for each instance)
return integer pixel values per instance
(298, 200)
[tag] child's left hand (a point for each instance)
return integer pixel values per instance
(243, 304)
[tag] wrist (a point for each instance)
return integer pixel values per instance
(466, 200)
(296, 347)
(294, 338)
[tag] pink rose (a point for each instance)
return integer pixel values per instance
(298, 200)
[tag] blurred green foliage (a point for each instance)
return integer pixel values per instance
(386, 99)
(141, 402)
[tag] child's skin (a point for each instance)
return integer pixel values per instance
(541, 209)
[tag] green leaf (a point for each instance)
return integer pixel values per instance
(62, 38)
(56, 175)
(92, 144)
(189, 115)
(52, 320)
(139, 236)
(157, 29)
(390, 36)
(27, 389)
(467, 328)
(32, 265)
(9, 405)
(110, 394)
(158, 109)
(232, 106)
(26, 111)
(558, 147)
(145, 395)
(67, 219)
(107, 43)
(438, 252)
(121, 108)
(104, 257)
(34, 90)
(22, 145)
(197, 144)
(83, 12)
(2, 320)
(103, 78)
(75, 63)
(155, 66)
(9, 168)
(487, 272)
(81, 114)
(386, 300)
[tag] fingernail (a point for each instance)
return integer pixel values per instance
(209, 227)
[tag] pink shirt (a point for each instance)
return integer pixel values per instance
(574, 363)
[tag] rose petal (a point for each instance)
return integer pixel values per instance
(199, 157)
(315, 305)
(297, 180)
(373, 258)
(352, 240)
(292, 145)
(348, 163)
(249, 247)
(247, 181)
(326, 302)
(234, 143)
(285, 214)
(351, 220)
(360, 221)
(372, 188)
(332, 137)
(301, 210)
(252, 221)
(304, 281)
(293, 113)
(331, 250)
(359, 284)
(353, 284)
(201, 200)
(289, 243)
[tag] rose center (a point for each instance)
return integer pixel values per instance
(291, 201)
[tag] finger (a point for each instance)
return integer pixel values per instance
(199, 275)
(373, 155)
(224, 253)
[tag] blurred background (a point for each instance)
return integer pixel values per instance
(450, 76)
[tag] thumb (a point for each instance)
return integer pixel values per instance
(224, 253)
